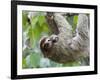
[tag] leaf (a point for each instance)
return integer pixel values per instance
(29, 65)
(41, 20)
(35, 60)
(46, 28)
(54, 64)
(75, 63)
(44, 62)
(34, 21)
(24, 21)
(24, 65)
(70, 20)
(32, 60)
(75, 19)
(31, 37)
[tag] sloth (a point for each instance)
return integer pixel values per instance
(63, 47)
(47, 43)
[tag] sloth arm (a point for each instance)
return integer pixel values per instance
(81, 41)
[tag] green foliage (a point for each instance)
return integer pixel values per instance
(73, 21)
(32, 32)
(34, 60)
(75, 63)
(24, 20)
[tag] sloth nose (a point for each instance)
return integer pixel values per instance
(46, 45)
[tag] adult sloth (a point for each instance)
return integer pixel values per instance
(61, 46)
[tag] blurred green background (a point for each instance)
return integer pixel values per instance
(34, 27)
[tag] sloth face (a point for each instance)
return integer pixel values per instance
(45, 46)
(47, 43)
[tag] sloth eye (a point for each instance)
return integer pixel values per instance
(55, 40)
(49, 40)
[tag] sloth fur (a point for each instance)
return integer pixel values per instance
(63, 47)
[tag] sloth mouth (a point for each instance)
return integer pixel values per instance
(47, 45)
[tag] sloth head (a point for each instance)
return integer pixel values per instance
(46, 43)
